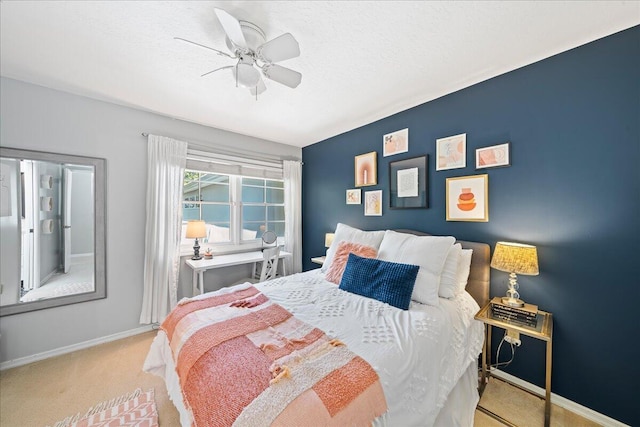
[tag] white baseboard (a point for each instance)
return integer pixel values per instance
(74, 347)
(560, 401)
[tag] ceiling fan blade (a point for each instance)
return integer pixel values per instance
(217, 69)
(231, 27)
(258, 89)
(219, 52)
(282, 75)
(279, 49)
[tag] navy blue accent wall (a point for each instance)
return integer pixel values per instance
(573, 190)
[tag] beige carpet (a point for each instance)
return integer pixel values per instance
(44, 392)
(522, 409)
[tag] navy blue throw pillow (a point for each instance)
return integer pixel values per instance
(389, 282)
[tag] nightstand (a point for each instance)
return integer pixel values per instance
(318, 259)
(543, 331)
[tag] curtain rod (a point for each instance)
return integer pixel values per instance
(146, 134)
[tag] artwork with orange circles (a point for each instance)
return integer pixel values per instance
(468, 198)
(451, 152)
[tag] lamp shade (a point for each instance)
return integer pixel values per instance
(515, 258)
(328, 239)
(196, 230)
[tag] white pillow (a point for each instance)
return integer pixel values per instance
(427, 252)
(350, 234)
(449, 277)
(464, 267)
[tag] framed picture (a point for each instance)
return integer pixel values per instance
(353, 196)
(373, 203)
(451, 152)
(395, 143)
(468, 198)
(408, 183)
(494, 156)
(366, 169)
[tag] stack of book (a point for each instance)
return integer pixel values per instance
(523, 316)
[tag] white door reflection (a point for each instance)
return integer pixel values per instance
(56, 213)
(70, 271)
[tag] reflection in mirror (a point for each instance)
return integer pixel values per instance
(51, 230)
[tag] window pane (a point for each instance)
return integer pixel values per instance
(212, 177)
(214, 192)
(218, 233)
(215, 213)
(278, 227)
(275, 213)
(253, 181)
(275, 195)
(191, 191)
(251, 230)
(276, 184)
(190, 211)
(253, 213)
(252, 194)
(190, 176)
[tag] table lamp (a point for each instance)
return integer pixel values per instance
(328, 239)
(196, 230)
(515, 258)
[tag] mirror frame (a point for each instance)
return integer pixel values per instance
(100, 256)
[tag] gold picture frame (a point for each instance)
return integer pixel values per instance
(468, 198)
(366, 171)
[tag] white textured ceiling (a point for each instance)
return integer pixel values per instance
(361, 60)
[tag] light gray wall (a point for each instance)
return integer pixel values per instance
(82, 213)
(42, 119)
(9, 225)
(50, 244)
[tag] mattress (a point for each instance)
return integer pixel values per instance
(420, 354)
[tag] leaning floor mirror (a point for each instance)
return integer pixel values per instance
(52, 230)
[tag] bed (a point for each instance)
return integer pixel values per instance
(417, 366)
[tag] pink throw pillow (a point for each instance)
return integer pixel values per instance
(339, 263)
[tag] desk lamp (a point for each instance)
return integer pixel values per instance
(196, 230)
(328, 239)
(515, 258)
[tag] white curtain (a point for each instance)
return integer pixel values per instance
(166, 159)
(292, 173)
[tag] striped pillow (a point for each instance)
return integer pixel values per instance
(385, 281)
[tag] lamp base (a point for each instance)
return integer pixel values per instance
(196, 251)
(512, 302)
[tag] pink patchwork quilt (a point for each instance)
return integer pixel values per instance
(243, 360)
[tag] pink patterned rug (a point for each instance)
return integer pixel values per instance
(136, 409)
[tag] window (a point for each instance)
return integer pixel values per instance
(236, 209)
(263, 205)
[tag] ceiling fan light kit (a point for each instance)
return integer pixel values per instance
(255, 56)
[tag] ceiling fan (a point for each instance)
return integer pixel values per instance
(255, 56)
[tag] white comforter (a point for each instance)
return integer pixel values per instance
(419, 354)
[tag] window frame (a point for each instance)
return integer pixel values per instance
(236, 205)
